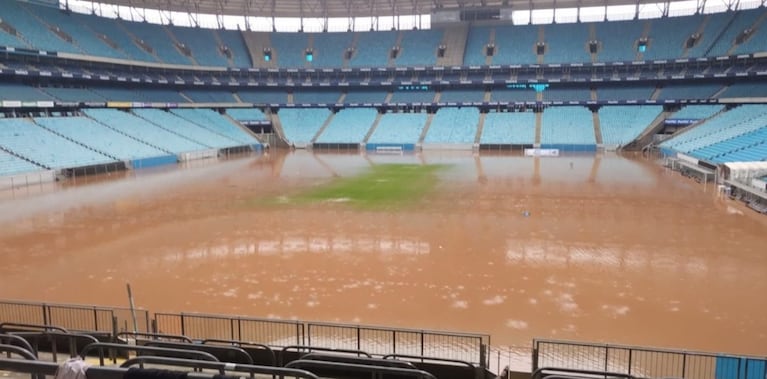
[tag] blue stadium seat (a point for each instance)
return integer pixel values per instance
(246, 114)
(203, 45)
(741, 21)
(567, 126)
(365, 96)
(478, 38)
(159, 39)
(301, 125)
(621, 125)
(329, 49)
(453, 125)
(233, 40)
(217, 123)
(689, 91)
(472, 95)
(12, 165)
(316, 97)
(412, 97)
(618, 40)
(188, 130)
(373, 48)
(516, 128)
(263, 96)
(515, 44)
(349, 126)
(419, 47)
(399, 128)
(290, 49)
(567, 43)
(668, 36)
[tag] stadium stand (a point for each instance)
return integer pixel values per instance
(478, 38)
(159, 38)
(38, 145)
(209, 96)
(9, 91)
(745, 90)
(728, 135)
(697, 112)
(689, 91)
(182, 127)
(158, 95)
(453, 126)
(301, 125)
(144, 131)
(263, 96)
(290, 49)
(365, 96)
(625, 92)
(71, 94)
(329, 49)
(33, 29)
(740, 21)
(110, 30)
(515, 44)
(512, 95)
(618, 40)
(412, 97)
(316, 97)
(569, 128)
(399, 128)
(246, 114)
(373, 48)
(566, 43)
(235, 43)
(668, 36)
(202, 45)
(517, 128)
(419, 47)
(348, 126)
(567, 94)
(622, 124)
(12, 165)
(471, 95)
(217, 123)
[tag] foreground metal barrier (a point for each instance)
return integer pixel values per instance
(352, 367)
(645, 362)
(222, 367)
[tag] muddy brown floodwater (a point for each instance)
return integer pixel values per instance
(614, 249)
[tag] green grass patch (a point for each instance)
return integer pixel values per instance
(383, 186)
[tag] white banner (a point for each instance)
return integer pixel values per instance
(541, 152)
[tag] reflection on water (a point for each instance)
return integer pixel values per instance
(612, 249)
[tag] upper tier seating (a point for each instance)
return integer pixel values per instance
(419, 47)
(209, 96)
(110, 28)
(365, 96)
(412, 97)
(567, 43)
(471, 95)
(31, 29)
(99, 137)
(476, 42)
(141, 95)
(246, 114)
(713, 29)
(217, 123)
(618, 40)
(72, 94)
(329, 49)
(203, 45)
(751, 89)
(621, 125)
(516, 128)
(158, 37)
(263, 96)
(20, 92)
(668, 36)
(316, 97)
(724, 126)
(567, 126)
(567, 94)
(349, 126)
(373, 48)
(742, 20)
(184, 128)
(301, 125)
(697, 112)
(290, 49)
(515, 44)
(512, 95)
(12, 165)
(32, 142)
(233, 40)
(141, 129)
(401, 128)
(625, 92)
(689, 91)
(453, 125)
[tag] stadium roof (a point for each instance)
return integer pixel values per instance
(363, 8)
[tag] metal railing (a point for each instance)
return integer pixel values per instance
(73, 317)
(642, 361)
(200, 326)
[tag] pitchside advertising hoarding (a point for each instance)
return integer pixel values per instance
(541, 152)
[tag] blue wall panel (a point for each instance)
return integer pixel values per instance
(154, 161)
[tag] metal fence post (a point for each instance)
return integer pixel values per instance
(183, 329)
(95, 318)
(46, 313)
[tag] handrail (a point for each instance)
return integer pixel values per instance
(222, 367)
(71, 339)
(49, 369)
(31, 326)
(298, 349)
(236, 352)
(360, 368)
(21, 341)
(348, 359)
(245, 344)
(156, 335)
(28, 355)
(539, 373)
(635, 348)
(434, 359)
(100, 346)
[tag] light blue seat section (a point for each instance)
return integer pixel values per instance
(12, 165)
(10, 91)
(749, 146)
(714, 27)
(515, 44)
(202, 42)
(412, 97)
(111, 29)
(82, 36)
(751, 89)
(246, 114)
(419, 47)
(668, 36)
(219, 124)
(622, 124)
(329, 49)
(618, 40)
(141, 129)
(263, 96)
(512, 95)
(301, 125)
(185, 128)
(158, 38)
(567, 125)
(689, 91)
(28, 140)
(210, 96)
(625, 93)
(290, 49)
(7, 39)
(473, 95)
(316, 97)
(742, 21)
(349, 126)
(476, 42)
(31, 29)
(453, 125)
(72, 94)
(567, 94)
(567, 43)
(365, 96)
(756, 43)
(509, 128)
(697, 112)
(142, 95)
(372, 49)
(725, 125)
(234, 41)
(401, 128)
(98, 137)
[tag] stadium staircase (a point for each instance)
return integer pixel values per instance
(454, 40)
(721, 34)
(274, 118)
(645, 34)
(372, 127)
(538, 123)
(700, 31)
(597, 128)
(135, 42)
(325, 126)
(755, 26)
(593, 37)
(398, 42)
(177, 45)
(425, 130)
(480, 128)
(256, 43)
(541, 39)
(353, 46)
(59, 33)
(490, 40)
(219, 43)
